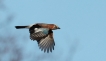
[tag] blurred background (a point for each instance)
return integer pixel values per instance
(82, 36)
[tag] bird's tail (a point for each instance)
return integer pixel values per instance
(21, 27)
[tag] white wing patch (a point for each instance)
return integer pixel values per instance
(37, 30)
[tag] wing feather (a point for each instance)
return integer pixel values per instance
(47, 44)
(44, 38)
(38, 33)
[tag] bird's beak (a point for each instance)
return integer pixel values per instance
(58, 28)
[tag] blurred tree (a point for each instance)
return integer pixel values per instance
(9, 49)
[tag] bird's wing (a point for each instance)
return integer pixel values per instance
(38, 33)
(47, 43)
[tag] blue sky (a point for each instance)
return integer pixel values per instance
(82, 36)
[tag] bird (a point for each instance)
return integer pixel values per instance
(43, 34)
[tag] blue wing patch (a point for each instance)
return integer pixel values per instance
(39, 33)
(45, 30)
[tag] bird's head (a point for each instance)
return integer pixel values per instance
(55, 27)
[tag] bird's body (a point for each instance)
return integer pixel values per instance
(43, 34)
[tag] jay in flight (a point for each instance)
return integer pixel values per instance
(43, 34)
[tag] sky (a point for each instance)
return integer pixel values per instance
(82, 36)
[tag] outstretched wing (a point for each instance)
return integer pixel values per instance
(44, 37)
(47, 43)
(38, 33)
